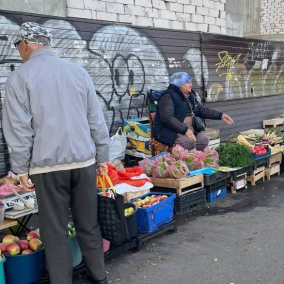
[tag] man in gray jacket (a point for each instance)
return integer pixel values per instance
(56, 133)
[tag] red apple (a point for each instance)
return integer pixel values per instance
(10, 239)
(3, 247)
(23, 244)
(27, 251)
(35, 244)
(13, 249)
(33, 235)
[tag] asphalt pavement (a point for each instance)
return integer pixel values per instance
(239, 239)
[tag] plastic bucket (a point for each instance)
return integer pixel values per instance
(2, 274)
(24, 269)
(76, 251)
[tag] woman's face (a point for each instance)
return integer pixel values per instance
(186, 88)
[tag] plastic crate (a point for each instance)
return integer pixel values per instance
(240, 171)
(150, 219)
(168, 227)
(259, 162)
(216, 195)
(215, 186)
(190, 201)
(267, 154)
(217, 176)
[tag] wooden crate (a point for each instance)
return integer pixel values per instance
(274, 169)
(235, 180)
(256, 175)
(130, 195)
(273, 122)
(214, 143)
(182, 186)
(275, 158)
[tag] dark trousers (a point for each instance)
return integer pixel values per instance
(56, 193)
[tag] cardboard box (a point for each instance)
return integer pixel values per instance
(139, 127)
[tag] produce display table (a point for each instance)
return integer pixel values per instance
(256, 175)
(179, 186)
(22, 217)
(8, 224)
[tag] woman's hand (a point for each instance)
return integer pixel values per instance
(190, 134)
(227, 119)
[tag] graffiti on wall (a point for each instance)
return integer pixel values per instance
(257, 76)
(123, 61)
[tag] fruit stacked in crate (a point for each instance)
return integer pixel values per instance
(154, 210)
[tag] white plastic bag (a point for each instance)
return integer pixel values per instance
(117, 146)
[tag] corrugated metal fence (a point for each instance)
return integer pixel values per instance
(242, 77)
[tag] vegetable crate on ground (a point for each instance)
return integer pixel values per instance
(216, 191)
(179, 186)
(275, 158)
(239, 178)
(118, 250)
(190, 201)
(273, 166)
(143, 238)
(216, 177)
(274, 169)
(150, 219)
(256, 175)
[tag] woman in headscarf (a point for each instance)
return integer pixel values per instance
(175, 111)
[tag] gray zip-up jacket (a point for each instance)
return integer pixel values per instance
(52, 118)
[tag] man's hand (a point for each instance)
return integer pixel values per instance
(26, 184)
(102, 168)
(190, 134)
(227, 119)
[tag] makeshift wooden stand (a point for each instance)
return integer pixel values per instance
(256, 175)
(180, 186)
(273, 165)
(237, 179)
(274, 169)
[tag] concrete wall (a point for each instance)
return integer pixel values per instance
(235, 17)
(192, 15)
(47, 7)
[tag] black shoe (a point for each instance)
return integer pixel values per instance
(104, 281)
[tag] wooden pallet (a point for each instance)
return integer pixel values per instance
(274, 169)
(275, 158)
(183, 185)
(235, 180)
(272, 122)
(257, 174)
(131, 195)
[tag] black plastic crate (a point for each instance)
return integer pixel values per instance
(190, 201)
(143, 238)
(240, 171)
(215, 186)
(118, 250)
(260, 163)
(217, 176)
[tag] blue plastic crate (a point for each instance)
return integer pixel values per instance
(267, 154)
(216, 195)
(150, 219)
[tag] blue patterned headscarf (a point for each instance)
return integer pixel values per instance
(179, 78)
